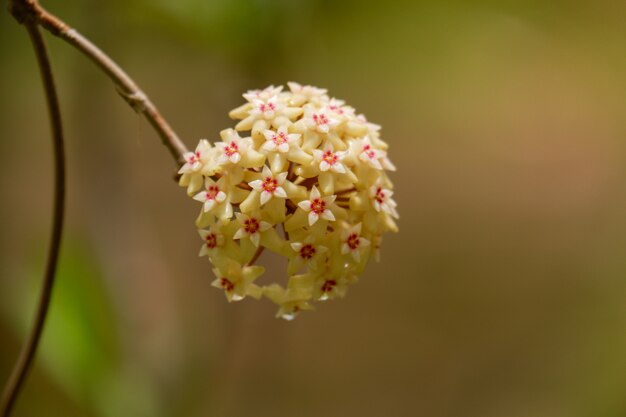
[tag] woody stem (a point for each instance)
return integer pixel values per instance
(129, 90)
(27, 354)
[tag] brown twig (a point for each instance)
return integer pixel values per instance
(27, 354)
(128, 89)
(256, 255)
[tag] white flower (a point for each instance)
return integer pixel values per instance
(368, 154)
(279, 141)
(212, 196)
(353, 242)
(330, 160)
(307, 251)
(381, 199)
(270, 185)
(308, 91)
(213, 238)
(264, 94)
(231, 148)
(319, 120)
(195, 160)
(317, 206)
(251, 227)
(266, 109)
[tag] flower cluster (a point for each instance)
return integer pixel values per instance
(301, 175)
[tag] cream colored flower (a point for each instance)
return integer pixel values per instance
(279, 141)
(270, 185)
(251, 228)
(319, 120)
(381, 199)
(238, 281)
(318, 206)
(213, 238)
(352, 242)
(330, 160)
(212, 196)
(266, 108)
(307, 180)
(307, 252)
(231, 150)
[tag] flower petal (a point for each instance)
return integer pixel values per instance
(280, 192)
(328, 215)
(256, 184)
(305, 205)
(314, 193)
(265, 196)
(255, 238)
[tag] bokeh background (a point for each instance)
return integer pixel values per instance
(504, 294)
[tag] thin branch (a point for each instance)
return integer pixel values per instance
(256, 255)
(27, 354)
(127, 88)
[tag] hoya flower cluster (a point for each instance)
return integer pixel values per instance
(301, 175)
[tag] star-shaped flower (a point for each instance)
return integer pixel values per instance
(319, 120)
(318, 206)
(213, 238)
(191, 171)
(212, 196)
(232, 147)
(307, 92)
(381, 199)
(307, 251)
(264, 94)
(366, 153)
(196, 159)
(270, 185)
(353, 242)
(330, 287)
(238, 281)
(266, 108)
(251, 227)
(279, 141)
(330, 160)
(338, 107)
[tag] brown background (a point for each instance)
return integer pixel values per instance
(504, 294)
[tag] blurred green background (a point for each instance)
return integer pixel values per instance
(504, 295)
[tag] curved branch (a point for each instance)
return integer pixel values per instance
(27, 354)
(129, 90)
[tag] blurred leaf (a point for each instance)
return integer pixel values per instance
(79, 347)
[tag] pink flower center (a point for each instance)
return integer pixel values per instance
(266, 107)
(320, 119)
(336, 109)
(231, 149)
(328, 286)
(279, 138)
(211, 240)
(380, 195)
(353, 241)
(251, 225)
(367, 150)
(226, 284)
(270, 184)
(195, 157)
(330, 158)
(307, 251)
(212, 191)
(318, 206)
